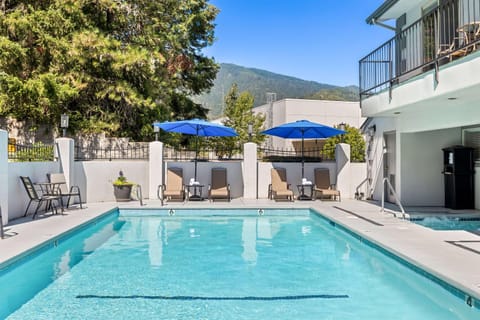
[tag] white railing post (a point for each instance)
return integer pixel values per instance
(155, 168)
(66, 157)
(4, 175)
(249, 169)
(342, 160)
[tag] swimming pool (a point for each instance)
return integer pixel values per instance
(230, 264)
(444, 223)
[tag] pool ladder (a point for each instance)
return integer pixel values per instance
(138, 193)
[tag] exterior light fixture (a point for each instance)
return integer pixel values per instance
(156, 130)
(64, 123)
(342, 126)
(250, 132)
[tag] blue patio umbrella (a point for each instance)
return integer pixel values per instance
(303, 129)
(198, 128)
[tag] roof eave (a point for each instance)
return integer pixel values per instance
(380, 11)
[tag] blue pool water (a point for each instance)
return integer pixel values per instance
(442, 223)
(219, 265)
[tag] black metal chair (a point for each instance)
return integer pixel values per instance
(48, 199)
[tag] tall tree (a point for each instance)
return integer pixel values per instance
(239, 115)
(113, 66)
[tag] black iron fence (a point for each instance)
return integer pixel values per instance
(445, 33)
(203, 154)
(30, 152)
(293, 155)
(129, 152)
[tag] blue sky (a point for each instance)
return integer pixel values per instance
(319, 40)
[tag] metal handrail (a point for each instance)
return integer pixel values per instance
(2, 234)
(138, 192)
(397, 199)
(415, 49)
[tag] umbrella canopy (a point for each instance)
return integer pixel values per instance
(303, 129)
(197, 127)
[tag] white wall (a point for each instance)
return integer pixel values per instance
(95, 178)
(294, 174)
(422, 181)
(204, 169)
(17, 195)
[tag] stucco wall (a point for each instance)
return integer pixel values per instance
(95, 178)
(17, 195)
(422, 181)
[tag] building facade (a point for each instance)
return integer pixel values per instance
(330, 113)
(421, 92)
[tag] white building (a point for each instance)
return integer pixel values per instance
(421, 92)
(330, 113)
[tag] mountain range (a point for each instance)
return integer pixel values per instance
(260, 82)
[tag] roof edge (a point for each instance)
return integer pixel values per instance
(380, 11)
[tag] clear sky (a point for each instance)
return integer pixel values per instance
(319, 40)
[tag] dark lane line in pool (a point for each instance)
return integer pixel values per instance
(253, 298)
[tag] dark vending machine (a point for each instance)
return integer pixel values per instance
(458, 171)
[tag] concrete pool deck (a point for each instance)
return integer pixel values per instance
(453, 256)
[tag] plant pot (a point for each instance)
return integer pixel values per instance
(122, 192)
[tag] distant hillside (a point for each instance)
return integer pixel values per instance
(259, 82)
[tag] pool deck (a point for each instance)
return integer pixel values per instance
(453, 256)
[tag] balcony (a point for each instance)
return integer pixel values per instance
(444, 34)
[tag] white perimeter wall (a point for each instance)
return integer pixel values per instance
(17, 195)
(355, 175)
(204, 169)
(95, 178)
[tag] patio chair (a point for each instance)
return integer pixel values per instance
(279, 188)
(174, 188)
(219, 189)
(48, 199)
(323, 188)
(452, 50)
(60, 188)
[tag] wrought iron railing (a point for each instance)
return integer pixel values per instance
(203, 154)
(31, 152)
(293, 155)
(127, 152)
(451, 30)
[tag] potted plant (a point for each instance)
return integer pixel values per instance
(122, 188)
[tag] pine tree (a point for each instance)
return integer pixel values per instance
(113, 66)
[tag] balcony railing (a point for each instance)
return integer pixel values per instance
(450, 31)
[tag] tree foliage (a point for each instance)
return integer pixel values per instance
(353, 137)
(113, 66)
(239, 115)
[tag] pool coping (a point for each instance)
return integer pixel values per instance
(385, 234)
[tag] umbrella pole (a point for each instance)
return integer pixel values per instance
(303, 160)
(196, 154)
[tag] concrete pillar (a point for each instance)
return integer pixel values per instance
(66, 157)
(4, 175)
(342, 159)
(155, 168)
(250, 170)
